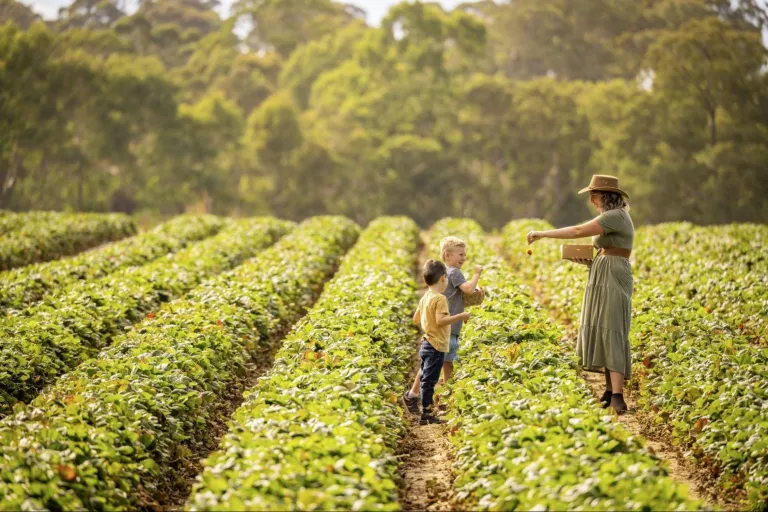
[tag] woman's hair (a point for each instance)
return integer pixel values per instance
(612, 201)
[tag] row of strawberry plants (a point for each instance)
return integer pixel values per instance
(527, 431)
(698, 376)
(46, 340)
(61, 236)
(702, 377)
(10, 221)
(110, 434)
(319, 432)
(721, 270)
(22, 287)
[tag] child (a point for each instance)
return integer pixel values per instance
(433, 317)
(453, 250)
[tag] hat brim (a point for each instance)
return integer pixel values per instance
(604, 189)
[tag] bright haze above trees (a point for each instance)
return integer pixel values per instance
(493, 110)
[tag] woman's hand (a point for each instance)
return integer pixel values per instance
(583, 261)
(533, 236)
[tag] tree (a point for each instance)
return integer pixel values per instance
(709, 61)
(283, 25)
(170, 28)
(90, 14)
(18, 13)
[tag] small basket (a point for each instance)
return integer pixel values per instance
(474, 299)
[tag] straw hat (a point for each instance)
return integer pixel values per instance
(604, 183)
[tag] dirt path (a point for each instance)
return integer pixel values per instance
(425, 452)
(175, 493)
(681, 469)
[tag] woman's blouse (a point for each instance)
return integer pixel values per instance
(618, 230)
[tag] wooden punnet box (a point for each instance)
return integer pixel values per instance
(573, 252)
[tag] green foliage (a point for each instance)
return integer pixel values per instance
(510, 106)
(75, 323)
(48, 237)
(320, 430)
(132, 415)
(527, 432)
(283, 25)
(24, 286)
(18, 13)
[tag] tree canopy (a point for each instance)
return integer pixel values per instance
(493, 110)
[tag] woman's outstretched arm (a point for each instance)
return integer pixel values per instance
(590, 228)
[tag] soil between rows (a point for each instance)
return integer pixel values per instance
(173, 493)
(426, 454)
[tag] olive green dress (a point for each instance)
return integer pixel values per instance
(603, 341)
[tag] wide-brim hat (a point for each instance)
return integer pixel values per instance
(604, 183)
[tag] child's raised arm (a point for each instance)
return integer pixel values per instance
(471, 285)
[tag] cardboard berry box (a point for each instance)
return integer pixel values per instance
(574, 252)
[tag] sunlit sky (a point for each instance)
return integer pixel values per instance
(376, 9)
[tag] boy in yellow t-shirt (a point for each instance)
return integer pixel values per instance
(435, 320)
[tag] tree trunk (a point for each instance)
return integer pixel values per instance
(80, 185)
(10, 178)
(713, 126)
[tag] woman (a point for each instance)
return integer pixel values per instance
(603, 343)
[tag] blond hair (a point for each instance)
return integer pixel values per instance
(450, 243)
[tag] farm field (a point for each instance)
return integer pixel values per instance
(258, 364)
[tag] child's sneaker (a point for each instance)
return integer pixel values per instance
(429, 419)
(412, 404)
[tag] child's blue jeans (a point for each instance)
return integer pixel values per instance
(431, 365)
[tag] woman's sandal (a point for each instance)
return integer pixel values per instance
(618, 404)
(605, 400)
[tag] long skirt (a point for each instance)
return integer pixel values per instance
(606, 313)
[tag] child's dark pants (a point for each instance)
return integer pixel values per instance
(431, 365)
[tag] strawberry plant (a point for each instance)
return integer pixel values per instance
(527, 432)
(46, 340)
(105, 435)
(50, 238)
(319, 432)
(22, 287)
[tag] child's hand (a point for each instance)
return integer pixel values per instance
(479, 269)
(465, 316)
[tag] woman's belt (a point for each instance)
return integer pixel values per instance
(615, 251)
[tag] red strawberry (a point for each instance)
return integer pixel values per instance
(67, 473)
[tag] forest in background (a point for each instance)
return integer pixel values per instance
(495, 110)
